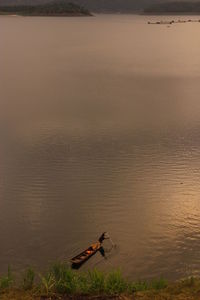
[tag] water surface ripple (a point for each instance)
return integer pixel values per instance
(100, 130)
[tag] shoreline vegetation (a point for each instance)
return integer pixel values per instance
(55, 8)
(61, 282)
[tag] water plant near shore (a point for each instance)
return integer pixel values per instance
(6, 281)
(61, 280)
(28, 279)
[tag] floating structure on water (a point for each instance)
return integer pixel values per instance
(172, 22)
(161, 23)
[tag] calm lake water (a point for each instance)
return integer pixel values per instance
(100, 130)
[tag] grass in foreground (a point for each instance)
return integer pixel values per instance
(60, 282)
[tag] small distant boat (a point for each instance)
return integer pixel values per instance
(81, 258)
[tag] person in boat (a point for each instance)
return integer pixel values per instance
(103, 237)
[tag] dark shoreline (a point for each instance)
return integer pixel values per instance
(45, 15)
(104, 13)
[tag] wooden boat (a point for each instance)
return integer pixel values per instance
(78, 260)
(81, 258)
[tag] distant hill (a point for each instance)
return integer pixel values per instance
(123, 6)
(55, 8)
(174, 7)
(118, 6)
(95, 5)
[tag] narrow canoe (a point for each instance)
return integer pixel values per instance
(78, 260)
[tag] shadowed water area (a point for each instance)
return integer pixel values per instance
(100, 130)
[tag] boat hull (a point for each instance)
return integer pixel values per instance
(78, 260)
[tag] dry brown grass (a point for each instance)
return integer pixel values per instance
(149, 295)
